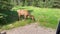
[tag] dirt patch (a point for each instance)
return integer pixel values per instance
(31, 29)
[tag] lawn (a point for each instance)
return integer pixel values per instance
(47, 17)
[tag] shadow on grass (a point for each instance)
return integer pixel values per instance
(11, 17)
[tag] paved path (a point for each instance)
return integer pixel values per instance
(31, 29)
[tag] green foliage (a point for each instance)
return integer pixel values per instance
(2, 19)
(5, 5)
(37, 3)
(56, 4)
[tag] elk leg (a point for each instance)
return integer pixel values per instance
(25, 17)
(33, 18)
(18, 18)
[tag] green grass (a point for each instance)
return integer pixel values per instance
(47, 17)
(15, 24)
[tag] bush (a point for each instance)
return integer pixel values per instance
(3, 19)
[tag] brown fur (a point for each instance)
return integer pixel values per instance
(32, 17)
(25, 13)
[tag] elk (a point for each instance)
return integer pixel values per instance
(32, 17)
(24, 13)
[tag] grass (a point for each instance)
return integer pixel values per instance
(15, 24)
(47, 17)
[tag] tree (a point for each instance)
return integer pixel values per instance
(4, 6)
(56, 4)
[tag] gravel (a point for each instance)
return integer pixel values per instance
(31, 29)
